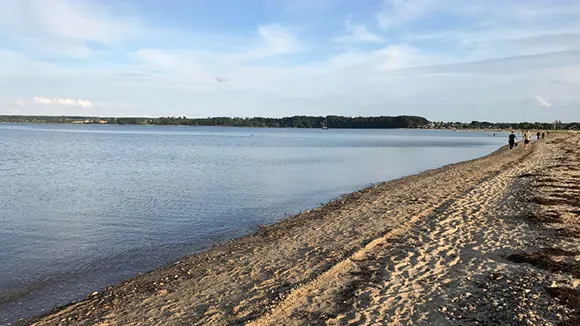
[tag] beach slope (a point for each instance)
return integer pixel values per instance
(492, 241)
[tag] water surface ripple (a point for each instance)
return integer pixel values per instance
(84, 206)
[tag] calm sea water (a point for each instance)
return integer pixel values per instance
(84, 206)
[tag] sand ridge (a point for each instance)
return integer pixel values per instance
(391, 252)
(420, 276)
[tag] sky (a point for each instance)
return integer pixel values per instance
(446, 60)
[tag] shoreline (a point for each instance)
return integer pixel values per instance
(33, 293)
(248, 278)
(310, 128)
(244, 127)
(263, 231)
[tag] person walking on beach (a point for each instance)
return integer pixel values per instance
(543, 135)
(527, 138)
(512, 140)
(538, 135)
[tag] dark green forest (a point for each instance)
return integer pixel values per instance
(287, 122)
(380, 122)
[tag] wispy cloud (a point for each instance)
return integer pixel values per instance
(63, 26)
(198, 68)
(274, 60)
(498, 66)
(398, 12)
(355, 33)
(62, 101)
(274, 39)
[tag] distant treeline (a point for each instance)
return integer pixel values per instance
(287, 122)
(504, 125)
(381, 122)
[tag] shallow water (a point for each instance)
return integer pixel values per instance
(84, 206)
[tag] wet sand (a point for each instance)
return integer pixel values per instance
(490, 241)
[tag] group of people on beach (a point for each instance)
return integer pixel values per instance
(526, 136)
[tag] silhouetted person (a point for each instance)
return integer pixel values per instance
(512, 140)
(538, 135)
(543, 135)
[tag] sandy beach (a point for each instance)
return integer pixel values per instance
(493, 241)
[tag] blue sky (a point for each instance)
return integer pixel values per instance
(442, 59)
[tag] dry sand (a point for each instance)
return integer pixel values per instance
(489, 241)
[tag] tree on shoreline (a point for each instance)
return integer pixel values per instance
(337, 122)
(286, 122)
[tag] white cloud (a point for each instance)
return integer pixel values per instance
(272, 40)
(42, 100)
(357, 34)
(490, 64)
(63, 26)
(278, 38)
(486, 27)
(199, 68)
(542, 102)
(62, 101)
